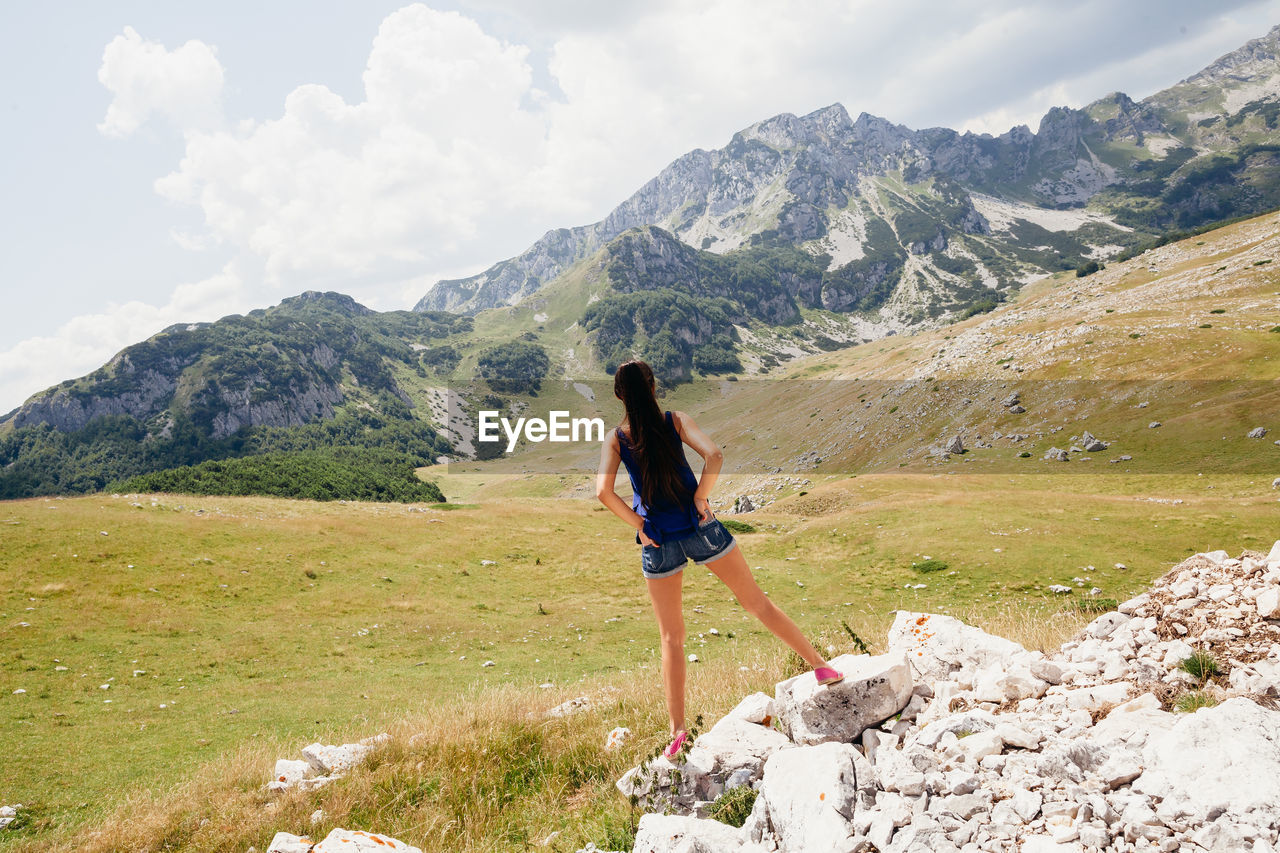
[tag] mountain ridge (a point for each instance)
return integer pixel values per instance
(718, 200)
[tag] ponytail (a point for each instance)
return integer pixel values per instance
(651, 444)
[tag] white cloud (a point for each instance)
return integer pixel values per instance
(332, 194)
(87, 341)
(183, 86)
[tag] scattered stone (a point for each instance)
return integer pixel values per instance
(576, 705)
(743, 505)
(1012, 400)
(1059, 589)
(1153, 425)
(1016, 409)
(1257, 432)
(616, 738)
(1056, 454)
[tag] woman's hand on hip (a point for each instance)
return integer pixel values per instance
(645, 540)
(703, 506)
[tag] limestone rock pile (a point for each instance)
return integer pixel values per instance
(957, 740)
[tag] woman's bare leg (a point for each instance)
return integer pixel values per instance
(665, 595)
(732, 569)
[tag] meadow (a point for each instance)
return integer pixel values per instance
(232, 631)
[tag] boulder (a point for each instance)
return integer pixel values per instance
(807, 798)
(1258, 432)
(955, 445)
(288, 773)
(743, 504)
(730, 745)
(335, 759)
(874, 689)
(1092, 444)
(1219, 760)
(1016, 409)
(680, 834)
(358, 841)
(1056, 454)
(937, 646)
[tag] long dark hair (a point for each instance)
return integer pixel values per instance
(651, 443)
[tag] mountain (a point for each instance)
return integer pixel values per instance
(939, 212)
(316, 372)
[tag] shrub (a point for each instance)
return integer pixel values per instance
(1200, 665)
(734, 806)
(1088, 269)
(1194, 700)
(926, 566)
(737, 526)
(514, 367)
(1218, 311)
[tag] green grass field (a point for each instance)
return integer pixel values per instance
(224, 621)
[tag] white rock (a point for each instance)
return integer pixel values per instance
(874, 689)
(1106, 624)
(616, 738)
(1273, 558)
(1048, 844)
(1225, 757)
(756, 708)
(574, 706)
(936, 646)
(806, 800)
(289, 772)
(284, 842)
(731, 744)
(1268, 603)
(671, 833)
(335, 759)
(1097, 697)
(975, 747)
(358, 841)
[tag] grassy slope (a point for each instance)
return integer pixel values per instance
(274, 659)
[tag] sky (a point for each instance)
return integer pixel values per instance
(175, 162)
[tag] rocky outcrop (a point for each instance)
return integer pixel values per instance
(1000, 748)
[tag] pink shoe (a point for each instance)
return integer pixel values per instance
(676, 745)
(827, 675)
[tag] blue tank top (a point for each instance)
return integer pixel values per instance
(664, 520)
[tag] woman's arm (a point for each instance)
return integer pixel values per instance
(712, 460)
(606, 476)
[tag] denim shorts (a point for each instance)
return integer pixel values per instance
(711, 541)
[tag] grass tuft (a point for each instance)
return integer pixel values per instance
(733, 807)
(1201, 665)
(1194, 700)
(924, 567)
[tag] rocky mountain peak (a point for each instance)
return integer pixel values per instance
(1255, 59)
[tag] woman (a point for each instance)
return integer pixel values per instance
(674, 523)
